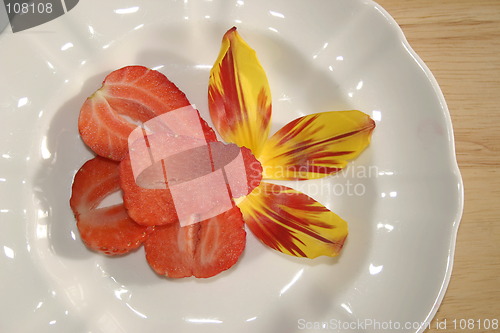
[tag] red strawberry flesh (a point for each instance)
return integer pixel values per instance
(130, 95)
(145, 206)
(253, 169)
(202, 249)
(104, 229)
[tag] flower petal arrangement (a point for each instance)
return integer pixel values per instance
(309, 147)
(187, 196)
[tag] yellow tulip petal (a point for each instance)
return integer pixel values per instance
(292, 222)
(316, 145)
(239, 97)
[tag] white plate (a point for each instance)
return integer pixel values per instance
(403, 208)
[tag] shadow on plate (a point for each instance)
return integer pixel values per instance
(65, 154)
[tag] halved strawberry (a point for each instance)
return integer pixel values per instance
(202, 249)
(128, 96)
(105, 229)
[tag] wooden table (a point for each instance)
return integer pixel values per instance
(459, 40)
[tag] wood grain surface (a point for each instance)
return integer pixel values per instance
(459, 40)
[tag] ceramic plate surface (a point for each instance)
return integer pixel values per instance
(402, 197)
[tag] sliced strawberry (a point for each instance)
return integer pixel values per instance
(144, 205)
(155, 206)
(128, 96)
(105, 229)
(253, 169)
(202, 249)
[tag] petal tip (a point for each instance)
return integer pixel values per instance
(230, 31)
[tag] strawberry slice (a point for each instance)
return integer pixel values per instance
(146, 206)
(104, 229)
(253, 169)
(202, 249)
(129, 96)
(155, 206)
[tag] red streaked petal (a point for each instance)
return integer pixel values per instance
(292, 222)
(239, 96)
(316, 145)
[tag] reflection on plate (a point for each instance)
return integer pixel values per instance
(402, 197)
